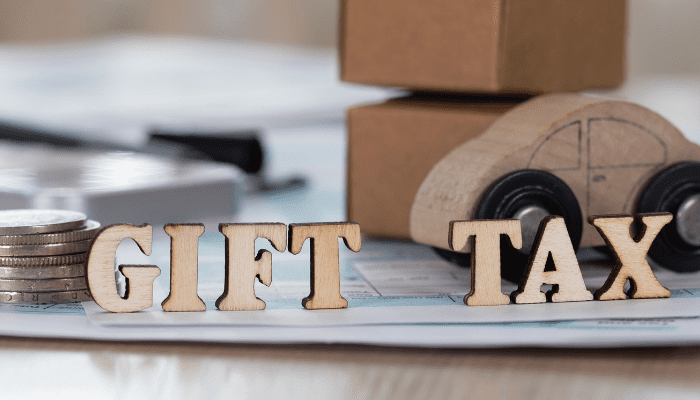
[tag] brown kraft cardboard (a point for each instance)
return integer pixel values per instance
(393, 145)
(484, 46)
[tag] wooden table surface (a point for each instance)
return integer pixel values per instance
(176, 370)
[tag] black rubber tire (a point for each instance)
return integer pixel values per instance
(665, 193)
(461, 259)
(512, 192)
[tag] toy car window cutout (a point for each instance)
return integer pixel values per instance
(560, 151)
(617, 143)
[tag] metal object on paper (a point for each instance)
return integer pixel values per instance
(530, 218)
(87, 232)
(22, 222)
(32, 250)
(42, 285)
(43, 272)
(117, 186)
(43, 255)
(688, 220)
(45, 297)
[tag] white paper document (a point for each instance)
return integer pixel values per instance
(399, 294)
(628, 332)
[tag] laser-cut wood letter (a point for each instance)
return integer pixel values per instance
(242, 266)
(183, 268)
(139, 278)
(552, 238)
(630, 256)
(325, 269)
(486, 256)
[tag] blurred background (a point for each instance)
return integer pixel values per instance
(145, 77)
(306, 23)
(103, 100)
(100, 98)
(662, 33)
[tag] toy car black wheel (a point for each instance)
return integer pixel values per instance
(530, 196)
(676, 190)
(461, 259)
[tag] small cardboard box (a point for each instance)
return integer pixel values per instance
(484, 46)
(393, 145)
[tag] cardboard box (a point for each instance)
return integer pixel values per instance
(393, 145)
(484, 46)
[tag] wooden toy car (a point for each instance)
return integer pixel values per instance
(573, 156)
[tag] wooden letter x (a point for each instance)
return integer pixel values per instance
(630, 256)
(325, 268)
(486, 256)
(242, 266)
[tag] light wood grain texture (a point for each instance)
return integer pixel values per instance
(324, 265)
(139, 278)
(184, 248)
(243, 266)
(552, 238)
(322, 371)
(630, 256)
(486, 256)
(355, 372)
(604, 150)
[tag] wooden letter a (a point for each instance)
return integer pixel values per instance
(552, 237)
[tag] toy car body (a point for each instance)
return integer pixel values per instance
(610, 157)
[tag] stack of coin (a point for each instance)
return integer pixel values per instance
(43, 255)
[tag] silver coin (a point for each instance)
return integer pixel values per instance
(85, 233)
(46, 249)
(25, 222)
(42, 285)
(46, 261)
(43, 272)
(45, 297)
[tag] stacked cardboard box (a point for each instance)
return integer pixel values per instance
(468, 62)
